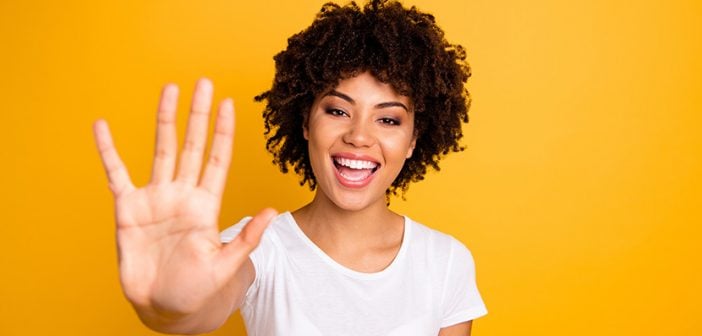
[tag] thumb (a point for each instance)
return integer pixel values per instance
(235, 253)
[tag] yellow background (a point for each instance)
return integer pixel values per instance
(579, 193)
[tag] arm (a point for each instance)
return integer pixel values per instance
(462, 301)
(173, 268)
(461, 329)
(210, 316)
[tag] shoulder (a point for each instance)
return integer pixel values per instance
(228, 234)
(453, 265)
(436, 241)
(266, 253)
(277, 226)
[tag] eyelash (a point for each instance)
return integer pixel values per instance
(390, 121)
(336, 112)
(384, 120)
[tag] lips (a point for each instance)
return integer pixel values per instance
(354, 171)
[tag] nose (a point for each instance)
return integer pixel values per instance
(359, 134)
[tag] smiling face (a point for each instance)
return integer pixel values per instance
(359, 135)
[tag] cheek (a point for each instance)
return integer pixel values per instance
(320, 138)
(410, 150)
(315, 155)
(323, 131)
(397, 148)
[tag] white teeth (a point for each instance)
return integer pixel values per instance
(355, 164)
(355, 178)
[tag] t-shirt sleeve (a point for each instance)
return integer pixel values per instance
(462, 301)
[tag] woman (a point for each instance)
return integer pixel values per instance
(363, 101)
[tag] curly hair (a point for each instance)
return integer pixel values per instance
(399, 46)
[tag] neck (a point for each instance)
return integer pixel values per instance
(327, 224)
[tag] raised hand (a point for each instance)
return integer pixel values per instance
(171, 261)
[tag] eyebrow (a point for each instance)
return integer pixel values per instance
(353, 102)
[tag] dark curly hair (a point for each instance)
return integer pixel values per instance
(399, 46)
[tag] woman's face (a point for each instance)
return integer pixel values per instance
(359, 135)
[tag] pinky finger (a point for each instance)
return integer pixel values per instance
(116, 171)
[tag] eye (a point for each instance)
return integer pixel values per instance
(390, 121)
(336, 112)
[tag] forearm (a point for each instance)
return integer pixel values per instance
(208, 316)
(461, 329)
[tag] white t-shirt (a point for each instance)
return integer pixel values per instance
(300, 290)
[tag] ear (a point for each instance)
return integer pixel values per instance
(411, 147)
(305, 126)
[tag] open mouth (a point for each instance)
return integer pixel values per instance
(352, 172)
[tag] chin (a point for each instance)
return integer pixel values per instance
(358, 202)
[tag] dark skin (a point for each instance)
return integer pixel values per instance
(461, 329)
(353, 225)
(345, 41)
(173, 268)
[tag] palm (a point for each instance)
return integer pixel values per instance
(167, 234)
(179, 220)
